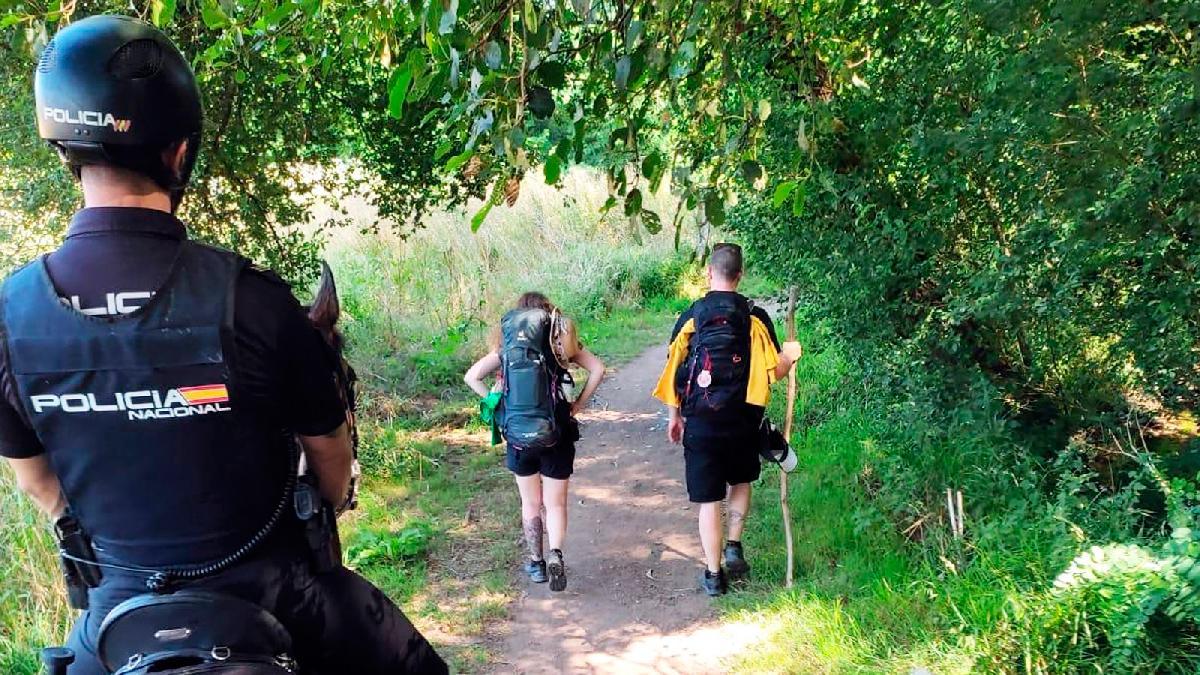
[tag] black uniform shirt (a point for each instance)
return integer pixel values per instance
(114, 259)
(749, 416)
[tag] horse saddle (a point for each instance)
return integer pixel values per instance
(193, 632)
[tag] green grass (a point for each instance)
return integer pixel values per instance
(33, 610)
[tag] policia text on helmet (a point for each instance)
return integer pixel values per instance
(113, 93)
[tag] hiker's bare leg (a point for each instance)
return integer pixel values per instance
(530, 488)
(710, 534)
(739, 508)
(554, 496)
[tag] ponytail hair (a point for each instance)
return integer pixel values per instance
(564, 335)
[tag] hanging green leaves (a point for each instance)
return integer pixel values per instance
(162, 12)
(782, 192)
(552, 169)
(398, 90)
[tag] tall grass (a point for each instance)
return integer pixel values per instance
(33, 611)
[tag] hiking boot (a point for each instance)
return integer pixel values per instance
(558, 570)
(735, 562)
(713, 583)
(536, 569)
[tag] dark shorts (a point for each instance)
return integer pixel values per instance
(715, 460)
(557, 463)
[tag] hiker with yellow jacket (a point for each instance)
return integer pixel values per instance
(723, 357)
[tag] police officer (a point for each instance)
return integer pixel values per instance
(153, 388)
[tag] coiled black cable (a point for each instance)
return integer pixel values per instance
(159, 580)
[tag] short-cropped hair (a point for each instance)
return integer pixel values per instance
(726, 260)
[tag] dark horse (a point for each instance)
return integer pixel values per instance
(216, 633)
(324, 312)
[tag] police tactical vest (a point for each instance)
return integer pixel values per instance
(713, 379)
(138, 413)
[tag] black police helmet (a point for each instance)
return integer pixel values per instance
(114, 90)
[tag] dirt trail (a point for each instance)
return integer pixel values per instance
(633, 555)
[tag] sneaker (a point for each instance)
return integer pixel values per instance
(536, 569)
(558, 570)
(713, 584)
(735, 561)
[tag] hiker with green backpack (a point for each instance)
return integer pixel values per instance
(531, 407)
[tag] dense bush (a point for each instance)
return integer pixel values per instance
(997, 208)
(1126, 607)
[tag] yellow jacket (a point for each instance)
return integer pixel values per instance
(763, 360)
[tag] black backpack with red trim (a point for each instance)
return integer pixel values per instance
(712, 380)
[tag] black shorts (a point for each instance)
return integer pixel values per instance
(557, 462)
(713, 461)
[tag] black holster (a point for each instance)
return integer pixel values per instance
(319, 522)
(77, 560)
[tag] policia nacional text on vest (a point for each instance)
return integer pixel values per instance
(153, 393)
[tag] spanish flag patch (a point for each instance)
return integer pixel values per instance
(205, 393)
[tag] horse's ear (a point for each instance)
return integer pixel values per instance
(325, 309)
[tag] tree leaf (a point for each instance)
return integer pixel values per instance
(458, 160)
(652, 165)
(633, 33)
(162, 12)
(449, 18)
(683, 61)
(482, 213)
(492, 55)
(552, 170)
(212, 14)
(530, 17)
(782, 192)
(563, 150)
(651, 221)
(540, 102)
(398, 90)
(540, 38)
(799, 198)
(622, 74)
(751, 171)
(578, 139)
(764, 110)
(633, 202)
(714, 208)
(695, 20)
(552, 74)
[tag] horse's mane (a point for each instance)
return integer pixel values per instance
(325, 310)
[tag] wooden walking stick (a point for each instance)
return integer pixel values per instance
(787, 433)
